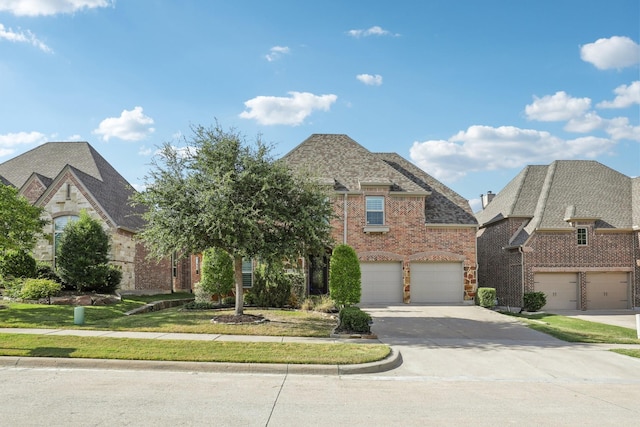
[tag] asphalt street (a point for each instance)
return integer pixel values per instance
(462, 365)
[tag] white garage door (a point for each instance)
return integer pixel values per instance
(437, 282)
(381, 283)
(561, 290)
(607, 291)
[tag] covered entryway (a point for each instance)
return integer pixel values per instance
(437, 282)
(381, 283)
(606, 291)
(561, 290)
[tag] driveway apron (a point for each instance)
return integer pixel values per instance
(473, 343)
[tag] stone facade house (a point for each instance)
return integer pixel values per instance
(414, 236)
(67, 177)
(570, 229)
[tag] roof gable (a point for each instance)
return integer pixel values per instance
(566, 189)
(349, 164)
(106, 186)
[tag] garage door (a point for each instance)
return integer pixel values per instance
(381, 283)
(561, 290)
(607, 291)
(437, 282)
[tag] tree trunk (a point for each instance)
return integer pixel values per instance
(237, 269)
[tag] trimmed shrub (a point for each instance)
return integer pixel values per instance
(201, 296)
(271, 285)
(45, 271)
(83, 254)
(352, 319)
(298, 288)
(344, 276)
(486, 297)
(217, 272)
(17, 263)
(248, 299)
(34, 289)
(12, 287)
(229, 301)
(533, 301)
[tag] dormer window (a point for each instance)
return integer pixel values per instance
(375, 210)
(582, 236)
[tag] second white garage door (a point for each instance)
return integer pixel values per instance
(561, 290)
(607, 291)
(437, 282)
(381, 283)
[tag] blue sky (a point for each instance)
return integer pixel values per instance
(471, 91)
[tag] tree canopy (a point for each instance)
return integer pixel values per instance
(221, 192)
(20, 222)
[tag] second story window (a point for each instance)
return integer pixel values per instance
(375, 210)
(582, 236)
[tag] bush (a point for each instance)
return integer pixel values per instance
(486, 297)
(45, 271)
(13, 287)
(195, 305)
(201, 295)
(248, 299)
(34, 289)
(271, 285)
(82, 255)
(17, 263)
(344, 276)
(352, 319)
(298, 288)
(229, 301)
(534, 301)
(217, 272)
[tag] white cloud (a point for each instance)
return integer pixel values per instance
(626, 96)
(373, 31)
(75, 137)
(371, 80)
(145, 151)
(615, 52)
(588, 122)
(619, 128)
(557, 107)
(276, 52)
(275, 110)
(483, 148)
(50, 7)
(9, 141)
(23, 37)
(130, 126)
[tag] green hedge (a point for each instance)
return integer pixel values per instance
(533, 301)
(352, 319)
(34, 289)
(486, 297)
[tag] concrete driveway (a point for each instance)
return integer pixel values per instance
(454, 342)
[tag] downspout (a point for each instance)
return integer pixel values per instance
(520, 249)
(344, 233)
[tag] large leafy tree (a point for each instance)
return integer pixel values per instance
(221, 192)
(20, 222)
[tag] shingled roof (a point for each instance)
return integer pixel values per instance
(339, 159)
(109, 189)
(553, 195)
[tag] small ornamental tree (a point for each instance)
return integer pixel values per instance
(217, 272)
(20, 222)
(17, 263)
(82, 254)
(344, 276)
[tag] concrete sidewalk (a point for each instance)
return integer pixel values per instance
(391, 362)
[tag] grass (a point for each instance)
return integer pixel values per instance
(177, 320)
(578, 330)
(23, 345)
(627, 352)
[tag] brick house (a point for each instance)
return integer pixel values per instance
(570, 229)
(415, 237)
(66, 177)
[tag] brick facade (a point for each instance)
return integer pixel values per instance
(408, 238)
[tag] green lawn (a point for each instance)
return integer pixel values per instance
(577, 330)
(281, 323)
(23, 345)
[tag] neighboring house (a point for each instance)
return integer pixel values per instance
(66, 177)
(570, 229)
(415, 237)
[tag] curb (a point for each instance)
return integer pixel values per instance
(390, 362)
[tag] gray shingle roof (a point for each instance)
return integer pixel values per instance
(580, 188)
(106, 185)
(338, 158)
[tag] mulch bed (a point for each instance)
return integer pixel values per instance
(239, 320)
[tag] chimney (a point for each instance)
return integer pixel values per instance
(486, 198)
